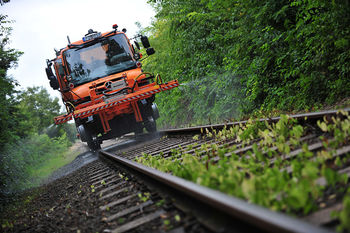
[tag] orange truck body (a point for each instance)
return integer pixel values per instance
(104, 87)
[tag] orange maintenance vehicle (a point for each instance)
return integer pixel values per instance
(104, 87)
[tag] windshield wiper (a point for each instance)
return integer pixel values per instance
(119, 71)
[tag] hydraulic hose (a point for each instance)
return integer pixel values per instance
(138, 76)
(72, 105)
(158, 78)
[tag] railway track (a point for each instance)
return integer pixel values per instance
(118, 193)
(144, 199)
(126, 203)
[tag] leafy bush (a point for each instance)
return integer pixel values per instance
(20, 159)
(201, 101)
(261, 172)
(24, 116)
(69, 129)
(8, 59)
(243, 56)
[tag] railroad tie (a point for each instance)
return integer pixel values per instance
(138, 222)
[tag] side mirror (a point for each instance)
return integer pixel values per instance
(53, 80)
(150, 51)
(145, 42)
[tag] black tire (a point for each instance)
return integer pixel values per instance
(86, 136)
(94, 145)
(151, 125)
(138, 130)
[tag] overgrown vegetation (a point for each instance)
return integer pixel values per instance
(236, 57)
(32, 159)
(28, 156)
(30, 146)
(267, 173)
(8, 59)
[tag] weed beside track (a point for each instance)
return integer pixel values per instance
(285, 166)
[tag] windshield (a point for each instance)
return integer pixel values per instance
(108, 56)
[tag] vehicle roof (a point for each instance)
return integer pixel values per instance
(80, 42)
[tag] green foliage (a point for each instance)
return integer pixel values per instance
(26, 153)
(291, 52)
(144, 197)
(58, 130)
(201, 101)
(20, 162)
(37, 110)
(234, 56)
(8, 59)
(344, 214)
(261, 173)
(40, 141)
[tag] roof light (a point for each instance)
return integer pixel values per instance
(115, 26)
(91, 36)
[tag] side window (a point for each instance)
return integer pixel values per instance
(59, 68)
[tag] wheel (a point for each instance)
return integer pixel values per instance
(86, 136)
(155, 111)
(138, 130)
(150, 125)
(82, 133)
(94, 144)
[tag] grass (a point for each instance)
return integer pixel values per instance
(56, 154)
(39, 174)
(27, 165)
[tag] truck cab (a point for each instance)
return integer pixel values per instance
(104, 88)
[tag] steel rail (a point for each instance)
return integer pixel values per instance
(237, 209)
(301, 116)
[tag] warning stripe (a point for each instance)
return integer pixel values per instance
(89, 110)
(63, 120)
